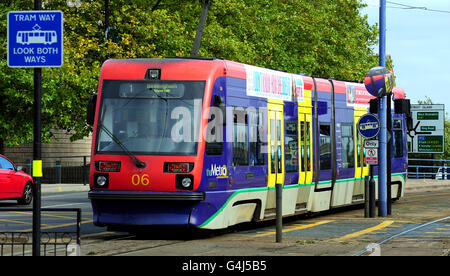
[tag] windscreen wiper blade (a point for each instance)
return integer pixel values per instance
(140, 164)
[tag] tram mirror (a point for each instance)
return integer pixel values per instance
(379, 81)
(91, 109)
(217, 100)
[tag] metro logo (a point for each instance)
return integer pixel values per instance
(217, 171)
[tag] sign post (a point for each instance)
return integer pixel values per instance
(369, 127)
(379, 82)
(35, 40)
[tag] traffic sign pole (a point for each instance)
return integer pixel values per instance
(36, 248)
(369, 127)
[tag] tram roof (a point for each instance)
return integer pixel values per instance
(209, 68)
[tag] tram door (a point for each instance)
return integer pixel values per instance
(305, 148)
(361, 169)
(276, 150)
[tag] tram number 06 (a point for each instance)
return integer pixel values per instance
(137, 179)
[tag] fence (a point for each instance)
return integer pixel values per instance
(19, 242)
(429, 168)
(62, 169)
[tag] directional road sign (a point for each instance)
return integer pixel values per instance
(427, 135)
(35, 39)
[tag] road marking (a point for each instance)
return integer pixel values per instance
(304, 226)
(365, 231)
(59, 225)
(405, 221)
(70, 204)
(15, 221)
(44, 214)
(56, 195)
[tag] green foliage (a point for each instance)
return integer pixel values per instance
(327, 38)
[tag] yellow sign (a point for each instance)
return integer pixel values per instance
(37, 168)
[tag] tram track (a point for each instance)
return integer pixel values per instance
(122, 244)
(136, 251)
(402, 233)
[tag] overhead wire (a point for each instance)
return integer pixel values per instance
(409, 7)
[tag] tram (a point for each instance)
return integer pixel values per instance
(202, 143)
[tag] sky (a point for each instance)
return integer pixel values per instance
(419, 44)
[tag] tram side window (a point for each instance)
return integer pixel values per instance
(348, 148)
(398, 138)
(214, 144)
(240, 137)
(291, 146)
(358, 149)
(305, 149)
(325, 146)
(256, 139)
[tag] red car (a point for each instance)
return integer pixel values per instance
(14, 183)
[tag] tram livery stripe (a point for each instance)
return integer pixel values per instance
(259, 189)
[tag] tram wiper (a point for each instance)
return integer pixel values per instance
(140, 164)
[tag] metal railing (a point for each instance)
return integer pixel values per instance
(62, 169)
(428, 168)
(19, 243)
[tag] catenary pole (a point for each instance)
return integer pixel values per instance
(382, 169)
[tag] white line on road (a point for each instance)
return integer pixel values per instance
(70, 204)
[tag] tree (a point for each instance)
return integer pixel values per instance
(327, 38)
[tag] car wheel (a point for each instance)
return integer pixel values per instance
(27, 195)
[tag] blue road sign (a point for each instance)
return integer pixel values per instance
(369, 126)
(35, 39)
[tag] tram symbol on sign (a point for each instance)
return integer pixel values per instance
(36, 36)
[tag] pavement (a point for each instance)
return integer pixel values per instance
(425, 185)
(412, 186)
(57, 188)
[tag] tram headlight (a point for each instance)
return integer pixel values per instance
(101, 180)
(184, 182)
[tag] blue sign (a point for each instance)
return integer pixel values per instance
(369, 126)
(35, 39)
